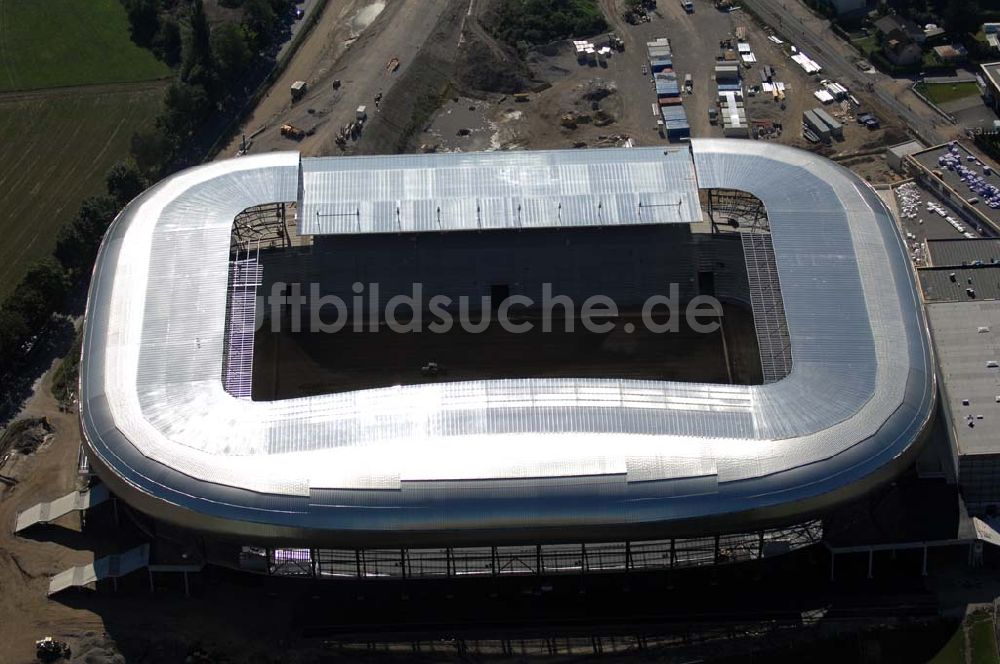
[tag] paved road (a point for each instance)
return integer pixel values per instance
(825, 48)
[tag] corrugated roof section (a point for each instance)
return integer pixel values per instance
(496, 190)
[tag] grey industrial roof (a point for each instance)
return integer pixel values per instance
(966, 337)
(489, 190)
(929, 160)
(504, 460)
(963, 252)
(938, 285)
(907, 148)
(992, 71)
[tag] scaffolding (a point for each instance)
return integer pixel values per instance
(768, 307)
(245, 275)
(734, 209)
(261, 226)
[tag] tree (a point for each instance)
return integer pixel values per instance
(125, 181)
(78, 241)
(185, 108)
(961, 16)
(152, 152)
(40, 293)
(14, 331)
(260, 19)
(143, 20)
(232, 52)
(199, 51)
(168, 42)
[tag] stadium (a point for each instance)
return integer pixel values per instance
(375, 454)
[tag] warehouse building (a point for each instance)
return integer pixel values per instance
(962, 292)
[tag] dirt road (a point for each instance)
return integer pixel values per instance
(792, 19)
(353, 42)
(26, 563)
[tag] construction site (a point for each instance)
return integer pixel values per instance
(442, 496)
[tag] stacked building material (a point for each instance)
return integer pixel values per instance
(812, 122)
(836, 129)
(733, 115)
(727, 76)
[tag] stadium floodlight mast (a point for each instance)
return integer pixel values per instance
(405, 313)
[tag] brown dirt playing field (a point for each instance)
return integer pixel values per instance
(288, 365)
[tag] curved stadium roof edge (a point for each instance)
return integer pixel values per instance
(504, 460)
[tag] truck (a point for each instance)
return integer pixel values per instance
(688, 83)
(298, 90)
(521, 96)
(294, 133)
(361, 114)
(688, 6)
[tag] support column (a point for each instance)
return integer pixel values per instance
(923, 571)
(871, 562)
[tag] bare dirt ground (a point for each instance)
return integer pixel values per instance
(353, 42)
(499, 122)
(26, 564)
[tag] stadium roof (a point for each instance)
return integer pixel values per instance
(491, 190)
(503, 460)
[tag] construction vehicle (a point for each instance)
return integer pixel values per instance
(392, 65)
(50, 650)
(294, 133)
(432, 370)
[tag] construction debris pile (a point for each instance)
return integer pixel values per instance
(908, 201)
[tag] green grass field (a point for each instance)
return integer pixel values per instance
(953, 652)
(941, 93)
(57, 148)
(866, 44)
(982, 640)
(54, 43)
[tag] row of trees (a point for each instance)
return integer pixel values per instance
(48, 282)
(211, 65)
(959, 17)
(542, 21)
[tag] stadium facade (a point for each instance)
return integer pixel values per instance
(489, 464)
